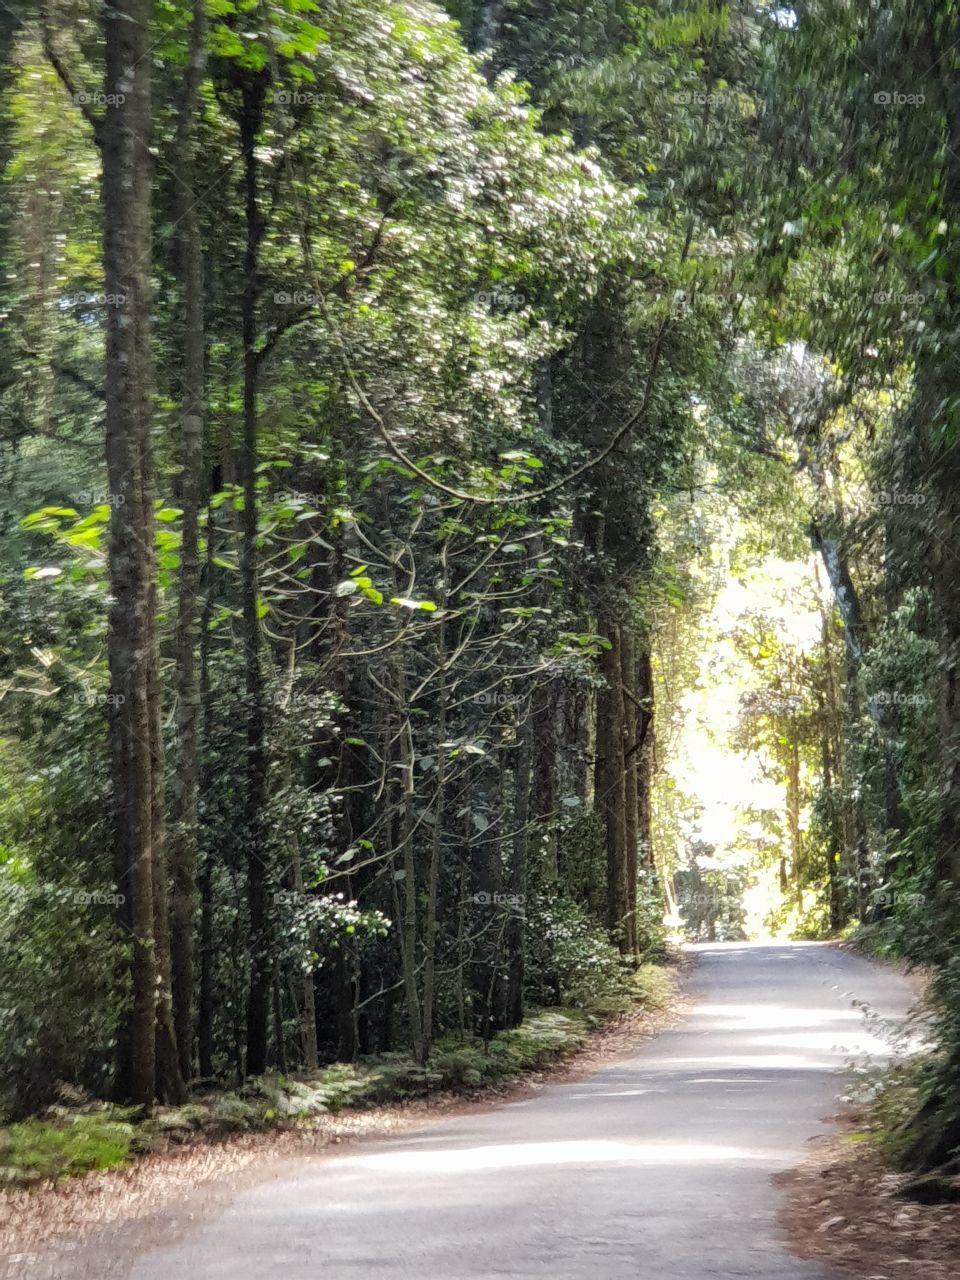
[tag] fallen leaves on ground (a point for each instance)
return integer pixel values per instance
(842, 1209)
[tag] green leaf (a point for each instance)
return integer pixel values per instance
(426, 606)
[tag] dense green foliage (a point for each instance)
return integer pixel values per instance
(341, 694)
(433, 280)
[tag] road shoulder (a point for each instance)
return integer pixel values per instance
(842, 1207)
(95, 1225)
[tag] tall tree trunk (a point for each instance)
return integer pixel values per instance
(632, 747)
(169, 1079)
(330, 637)
(308, 1020)
(834, 834)
(308, 1015)
(485, 840)
(183, 830)
(205, 996)
(831, 708)
(436, 842)
(258, 878)
(793, 817)
(855, 821)
(127, 174)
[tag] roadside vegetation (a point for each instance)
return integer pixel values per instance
(78, 1135)
(479, 496)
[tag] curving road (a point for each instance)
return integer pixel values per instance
(655, 1168)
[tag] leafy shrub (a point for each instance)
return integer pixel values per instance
(814, 924)
(570, 960)
(651, 930)
(233, 1113)
(59, 1006)
(582, 861)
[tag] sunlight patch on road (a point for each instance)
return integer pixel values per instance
(747, 1017)
(514, 1155)
(761, 1060)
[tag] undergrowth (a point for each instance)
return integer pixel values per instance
(67, 1141)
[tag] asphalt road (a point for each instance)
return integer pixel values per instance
(655, 1168)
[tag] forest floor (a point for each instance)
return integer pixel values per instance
(842, 1210)
(45, 1226)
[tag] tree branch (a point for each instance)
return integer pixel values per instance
(79, 98)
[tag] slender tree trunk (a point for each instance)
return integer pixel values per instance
(183, 829)
(205, 1000)
(462, 954)
(350, 776)
(855, 821)
(833, 850)
(408, 934)
(631, 782)
(645, 752)
(488, 875)
(279, 1041)
(436, 845)
(793, 818)
(832, 763)
(258, 878)
(169, 1080)
(301, 638)
(308, 1017)
(127, 176)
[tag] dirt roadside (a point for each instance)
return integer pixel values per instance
(842, 1206)
(841, 1209)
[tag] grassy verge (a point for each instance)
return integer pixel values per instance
(63, 1145)
(71, 1141)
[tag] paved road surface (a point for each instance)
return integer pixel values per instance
(656, 1168)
